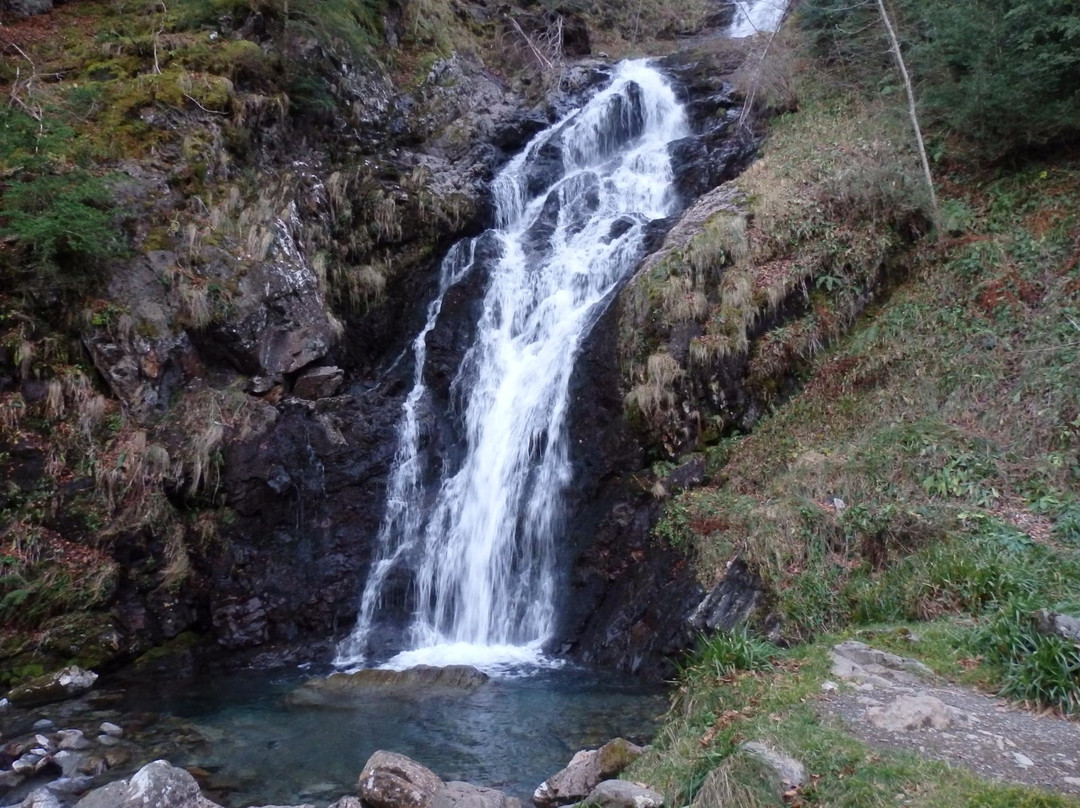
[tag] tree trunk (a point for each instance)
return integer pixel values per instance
(894, 45)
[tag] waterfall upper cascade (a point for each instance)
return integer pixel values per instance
(756, 17)
(477, 534)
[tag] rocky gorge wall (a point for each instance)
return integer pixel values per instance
(248, 368)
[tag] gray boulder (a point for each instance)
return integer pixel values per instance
(1063, 625)
(390, 780)
(456, 794)
(155, 785)
(788, 770)
(51, 687)
(586, 770)
(623, 794)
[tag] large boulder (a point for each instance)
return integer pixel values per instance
(155, 785)
(422, 680)
(51, 687)
(586, 770)
(390, 780)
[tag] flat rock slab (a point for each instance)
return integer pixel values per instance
(906, 713)
(339, 689)
(992, 738)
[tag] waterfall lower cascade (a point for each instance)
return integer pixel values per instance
(479, 542)
(756, 17)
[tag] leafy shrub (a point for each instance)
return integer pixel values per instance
(1038, 668)
(730, 651)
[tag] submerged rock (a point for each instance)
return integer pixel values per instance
(586, 770)
(155, 785)
(51, 687)
(419, 681)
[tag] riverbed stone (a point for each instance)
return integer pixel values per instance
(41, 798)
(52, 687)
(586, 770)
(390, 780)
(347, 802)
(623, 794)
(108, 728)
(72, 740)
(156, 785)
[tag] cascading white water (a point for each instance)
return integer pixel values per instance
(756, 17)
(482, 556)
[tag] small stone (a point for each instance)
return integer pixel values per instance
(1072, 781)
(68, 762)
(42, 724)
(5, 705)
(41, 798)
(110, 729)
(72, 739)
(71, 785)
(25, 764)
(45, 742)
(829, 687)
(107, 740)
(116, 757)
(1023, 761)
(93, 765)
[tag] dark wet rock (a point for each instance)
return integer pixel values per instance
(320, 382)
(545, 167)
(52, 687)
(390, 780)
(422, 680)
(586, 770)
(731, 601)
(26, 8)
(623, 794)
(155, 785)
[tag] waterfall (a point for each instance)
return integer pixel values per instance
(479, 542)
(756, 16)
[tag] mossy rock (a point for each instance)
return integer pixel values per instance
(52, 687)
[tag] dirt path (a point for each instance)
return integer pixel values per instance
(897, 703)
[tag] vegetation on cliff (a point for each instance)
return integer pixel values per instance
(907, 458)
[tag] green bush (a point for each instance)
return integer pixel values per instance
(726, 652)
(57, 217)
(1038, 668)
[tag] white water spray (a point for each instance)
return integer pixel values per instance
(481, 557)
(756, 17)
